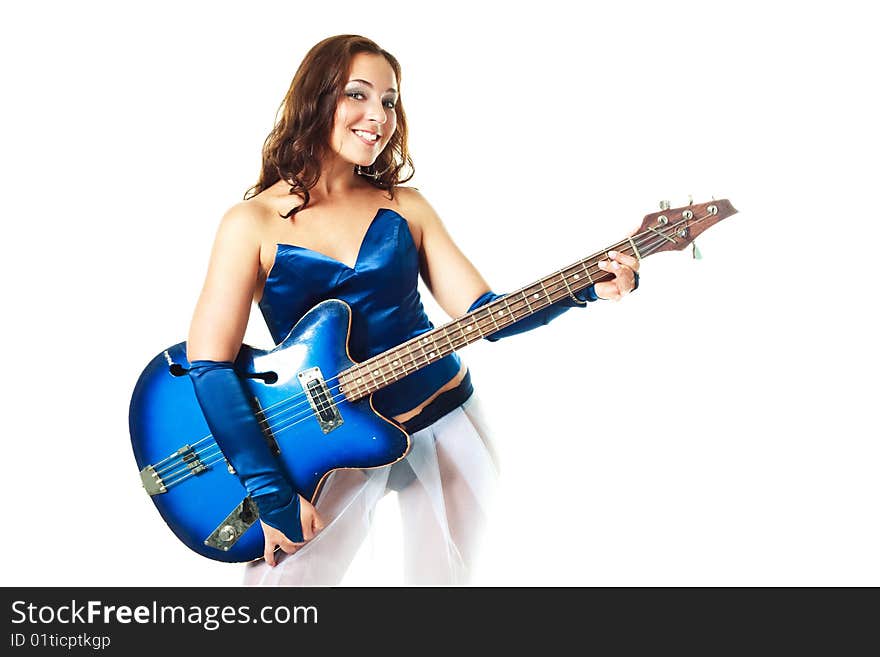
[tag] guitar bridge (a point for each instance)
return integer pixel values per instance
(152, 481)
(320, 399)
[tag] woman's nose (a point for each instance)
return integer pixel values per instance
(376, 112)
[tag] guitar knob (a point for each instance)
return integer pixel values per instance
(226, 533)
(664, 205)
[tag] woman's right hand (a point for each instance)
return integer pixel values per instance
(312, 523)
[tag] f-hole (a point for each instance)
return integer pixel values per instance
(176, 369)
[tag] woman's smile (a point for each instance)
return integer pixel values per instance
(369, 138)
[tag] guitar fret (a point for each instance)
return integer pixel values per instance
(587, 271)
(422, 346)
(468, 331)
(395, 364)
(451, 346)
(410, 352)
(435, 350)
(518, 312)
(536, 296)
(461, 335)
(492, 317)
(365, 380)
(565, 282)
(556, 289)
(476, 325)
(506, 320)
(546, 294)
(388, 367)
(382, 372)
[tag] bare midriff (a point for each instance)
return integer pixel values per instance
(452, 383)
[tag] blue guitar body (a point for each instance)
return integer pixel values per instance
(188, 479)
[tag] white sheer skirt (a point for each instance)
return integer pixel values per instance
(444, 502)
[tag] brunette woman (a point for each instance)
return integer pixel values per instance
(329, 218)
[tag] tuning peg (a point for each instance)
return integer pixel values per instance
(695, 252)
(664, 205)
(690, 199)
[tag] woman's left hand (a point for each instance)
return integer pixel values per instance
(624, 268)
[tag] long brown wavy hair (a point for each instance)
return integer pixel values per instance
(294, 149)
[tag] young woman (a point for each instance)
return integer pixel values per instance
(329, 218)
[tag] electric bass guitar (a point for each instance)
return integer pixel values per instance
(314, 402)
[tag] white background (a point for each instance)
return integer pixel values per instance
(715, 428)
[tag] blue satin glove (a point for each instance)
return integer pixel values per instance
(235, 428)
(541, 317)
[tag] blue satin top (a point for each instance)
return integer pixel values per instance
(382, 292)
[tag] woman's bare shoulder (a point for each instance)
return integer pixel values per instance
(414, 206)
(246, 220)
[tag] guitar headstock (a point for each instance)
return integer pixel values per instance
(672, 229)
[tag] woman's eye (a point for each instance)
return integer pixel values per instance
(389, 104)
(357, 95)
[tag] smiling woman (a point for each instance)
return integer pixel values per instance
(344, 100)
(327, 222)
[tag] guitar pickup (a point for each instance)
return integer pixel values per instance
(325, 409)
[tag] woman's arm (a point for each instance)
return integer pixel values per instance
(452, 279)
(215, 338)
(459, 288)
(223, 308)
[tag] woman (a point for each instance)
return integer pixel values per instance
(329, 219)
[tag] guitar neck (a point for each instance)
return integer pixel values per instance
(392, 365)
(670, 230)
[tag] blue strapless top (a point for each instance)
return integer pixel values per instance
(382, 292)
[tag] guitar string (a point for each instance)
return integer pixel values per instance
(648, 245)
(300, 399)
(213, 450)
(514, 304)
(300, 408)
(482, 321)
(183, 467)
(186, 471)
(485, 321)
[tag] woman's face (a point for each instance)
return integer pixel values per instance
(365, 117)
